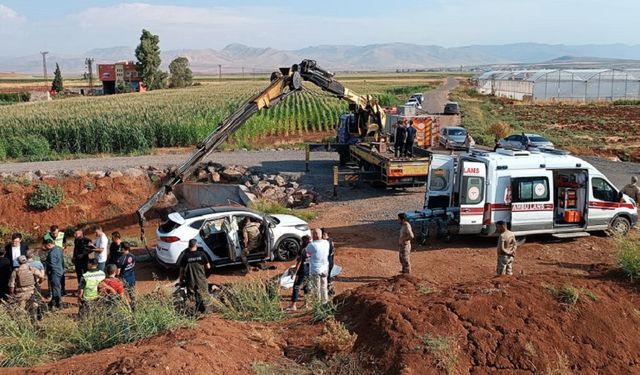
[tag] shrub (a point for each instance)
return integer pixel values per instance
(46, 197)
(628, 257)
(500, 129)
(14, 97)
(3, 152)
(335, 338)
(256, 300)
(31, 147)
(444, 350)
(320, 312)
(270, 207)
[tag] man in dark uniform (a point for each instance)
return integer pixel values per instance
(54, 266)
(398, 141)
(81, 250)
(193, 266)
(407, 150)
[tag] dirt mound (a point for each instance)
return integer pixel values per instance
(215, 347)
(514, 325)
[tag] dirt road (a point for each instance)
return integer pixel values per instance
(435, 100)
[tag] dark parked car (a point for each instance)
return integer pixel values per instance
(524, 141)
(451, 108)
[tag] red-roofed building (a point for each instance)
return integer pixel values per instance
(123, 74)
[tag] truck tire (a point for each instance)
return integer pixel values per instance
(619, 226)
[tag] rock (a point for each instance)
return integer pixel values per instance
(271, 178)
(279, 180)
(215, 177)
(262, 185)
(215, 166)
(289, 191)
(254, 179)
(114, 174)
(134, 172)
(252, 197)
(97, 174)
(232, 174)
(83, 191)
(290, 201)
(269, 193)
(40, 173)
(248, 184)
(293, 185)
(202, 175)
(79, 173)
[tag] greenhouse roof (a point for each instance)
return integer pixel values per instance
(563, 74)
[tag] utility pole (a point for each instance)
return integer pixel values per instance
(89, 61)
(219, 72)
(44, 66)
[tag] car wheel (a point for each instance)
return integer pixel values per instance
(620, 226)
(287, 249)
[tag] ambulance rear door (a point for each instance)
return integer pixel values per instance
(473, 178)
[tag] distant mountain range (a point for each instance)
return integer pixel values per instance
(390, 56)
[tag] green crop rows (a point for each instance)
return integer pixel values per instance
(168, 118)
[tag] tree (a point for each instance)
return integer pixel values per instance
(148, 65)
(57, 84)
(181, 75)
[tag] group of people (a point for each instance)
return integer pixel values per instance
(102, 270)
(313, 268)
(506, 251)
(404, 137)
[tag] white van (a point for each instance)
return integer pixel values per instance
(545, 191)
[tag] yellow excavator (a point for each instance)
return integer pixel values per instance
(359, 129)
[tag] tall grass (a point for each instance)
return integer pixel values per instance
(270, 207)
(628, 257)
(255, 300)
(25, 343)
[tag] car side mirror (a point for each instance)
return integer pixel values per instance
(272, 224)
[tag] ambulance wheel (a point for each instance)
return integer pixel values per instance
(620, 226)
(521, 240)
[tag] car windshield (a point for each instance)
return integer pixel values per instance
(168, 226)
(537, 138)
(457, 132)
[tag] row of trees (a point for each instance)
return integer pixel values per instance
(148, 65)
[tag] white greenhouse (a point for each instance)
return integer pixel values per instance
(561, 84)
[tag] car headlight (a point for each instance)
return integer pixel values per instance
(302, 227)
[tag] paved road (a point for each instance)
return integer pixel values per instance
(435, 100)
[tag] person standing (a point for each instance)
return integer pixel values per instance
(409, 139)
(88, 288)
(115, 248)
(469, 142)
(22, 283)
(507, 246)
(126, 265)
(332, 253)
(404, 243)
(101, 248)
(14, 249)
(193, 265)
(58, 239)
(399, 138)
(301, 274)
(251, 240)
(6, 266)
(318, 253)
(82, 246)
(54, 266)
(632, 189)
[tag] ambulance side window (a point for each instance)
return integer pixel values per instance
(530, 189)
(473, 190)
(603, 191)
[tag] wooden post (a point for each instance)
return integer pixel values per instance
(307, 156)
(335, 181)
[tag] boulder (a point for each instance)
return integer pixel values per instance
(269, 193)
(215, 177)
(97, 174)
(134, 172)
(254, 179)
(279, 180)
(79, 173)
(262, 185)
(293, 184)
(40, 173)
(202, 175)
(232, 174)
(290, 202)
(289, 191)
(114, 174)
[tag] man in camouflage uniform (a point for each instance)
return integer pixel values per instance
(22, 283)
(404, 243)
(632, 189)
(251, 240)
(507, 246)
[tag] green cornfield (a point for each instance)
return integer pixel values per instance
(137, 122)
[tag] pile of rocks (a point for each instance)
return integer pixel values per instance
(271, 187)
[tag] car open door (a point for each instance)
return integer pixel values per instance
(532, 207)
(232, 237)
(472, 196)
(267, 234)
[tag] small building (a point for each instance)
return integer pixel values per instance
(122, 74)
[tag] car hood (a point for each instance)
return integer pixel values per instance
(457, 138)
(289, 220)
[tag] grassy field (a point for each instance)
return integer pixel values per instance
(132, 123)
(607, 129)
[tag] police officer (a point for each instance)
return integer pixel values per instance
(507, 246)
(54, 266)
(251, 240)
(399, 138)
(409, 139)
(193, 265)
(632, 189)
(22, 283)
(88, 288)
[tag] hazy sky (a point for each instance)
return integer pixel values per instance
(75, 26)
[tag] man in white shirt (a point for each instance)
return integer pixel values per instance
(101, 249)
(318, 255)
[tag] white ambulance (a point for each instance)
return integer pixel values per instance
(544, 191)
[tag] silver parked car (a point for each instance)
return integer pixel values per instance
(453, 137)
(524, 141)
